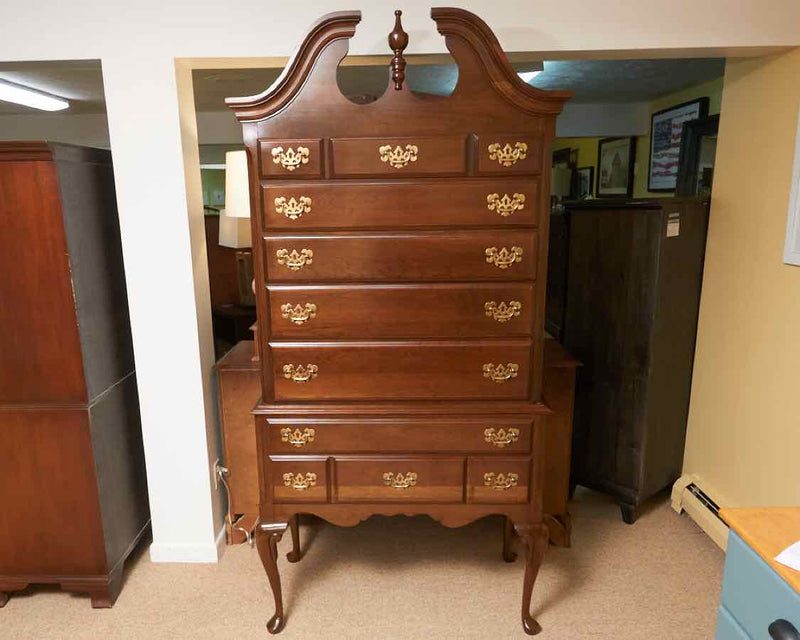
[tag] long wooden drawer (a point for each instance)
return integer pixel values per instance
(408, 435)
(299, 478)
(508, 153)
(393, 204)
(443, 256)
(498, 480)
(399, 479)
(399, 157)
(386, 370)
(401, 311)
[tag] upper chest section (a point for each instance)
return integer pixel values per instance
(303, 125)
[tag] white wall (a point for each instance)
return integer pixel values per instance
(157, 179)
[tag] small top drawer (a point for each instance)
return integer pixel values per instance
(400, 157)
(295, 158)
(509, 153)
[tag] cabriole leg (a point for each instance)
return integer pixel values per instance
(294, 555)
(508, 539)
(267, 538)
(535, 539)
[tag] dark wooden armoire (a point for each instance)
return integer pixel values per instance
(632, 295)
(73, 494)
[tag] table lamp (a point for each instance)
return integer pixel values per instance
(234, 221)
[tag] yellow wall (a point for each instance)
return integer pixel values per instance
(587, 147)
(744, 425)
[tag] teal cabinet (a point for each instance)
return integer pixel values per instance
(753, 596)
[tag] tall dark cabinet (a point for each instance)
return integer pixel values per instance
(73, 494)
(633, 278)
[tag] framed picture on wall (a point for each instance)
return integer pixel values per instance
(585, 182)
(615, 158)
(666, 129)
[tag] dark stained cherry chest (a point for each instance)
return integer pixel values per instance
(400, 292)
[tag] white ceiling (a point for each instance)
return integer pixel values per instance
(606, 81)
(79, 81)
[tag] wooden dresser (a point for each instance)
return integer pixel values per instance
(399, 300)
(73, 493)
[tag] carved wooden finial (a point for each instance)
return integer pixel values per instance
(398, 41)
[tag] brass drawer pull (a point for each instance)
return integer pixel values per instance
(506, 205)
(500, 372)
(400, 481)
(291, 208)
(298, 438)
(299, 313)
(502, 312)
(299, 373)
(503, 258)
(295, 261)
(398, 157)
(299, 481)
(500, 438)
(500, 481)
(290, 159)
(507, 155)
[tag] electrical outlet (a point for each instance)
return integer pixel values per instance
(215, 473)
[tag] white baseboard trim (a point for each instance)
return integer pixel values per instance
(189, 553)
(685, 500)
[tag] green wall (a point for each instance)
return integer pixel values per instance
(587, 147)
(212, 180)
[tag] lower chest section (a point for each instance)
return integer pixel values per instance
(479, 460)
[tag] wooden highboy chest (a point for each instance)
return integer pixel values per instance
(400, 262)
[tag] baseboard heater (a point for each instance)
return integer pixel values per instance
(701, 507)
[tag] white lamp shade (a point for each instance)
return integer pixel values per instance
(237, 186)
(234, 232)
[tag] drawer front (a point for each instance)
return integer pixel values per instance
(728, 628)
(509, 153)
(299, 478)
(385, 370)
(417, 204)
(399, 157)
(498, 480)
(754, 593)
(468, 435)
(401, 311)
(443, 256)
(297, 158)
(399, 479)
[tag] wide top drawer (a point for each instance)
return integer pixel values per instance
(414, 203)
(400, 157)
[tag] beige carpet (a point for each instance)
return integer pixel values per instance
(410, 578)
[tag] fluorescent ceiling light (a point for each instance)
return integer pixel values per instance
(10, 92)
(527, 76)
